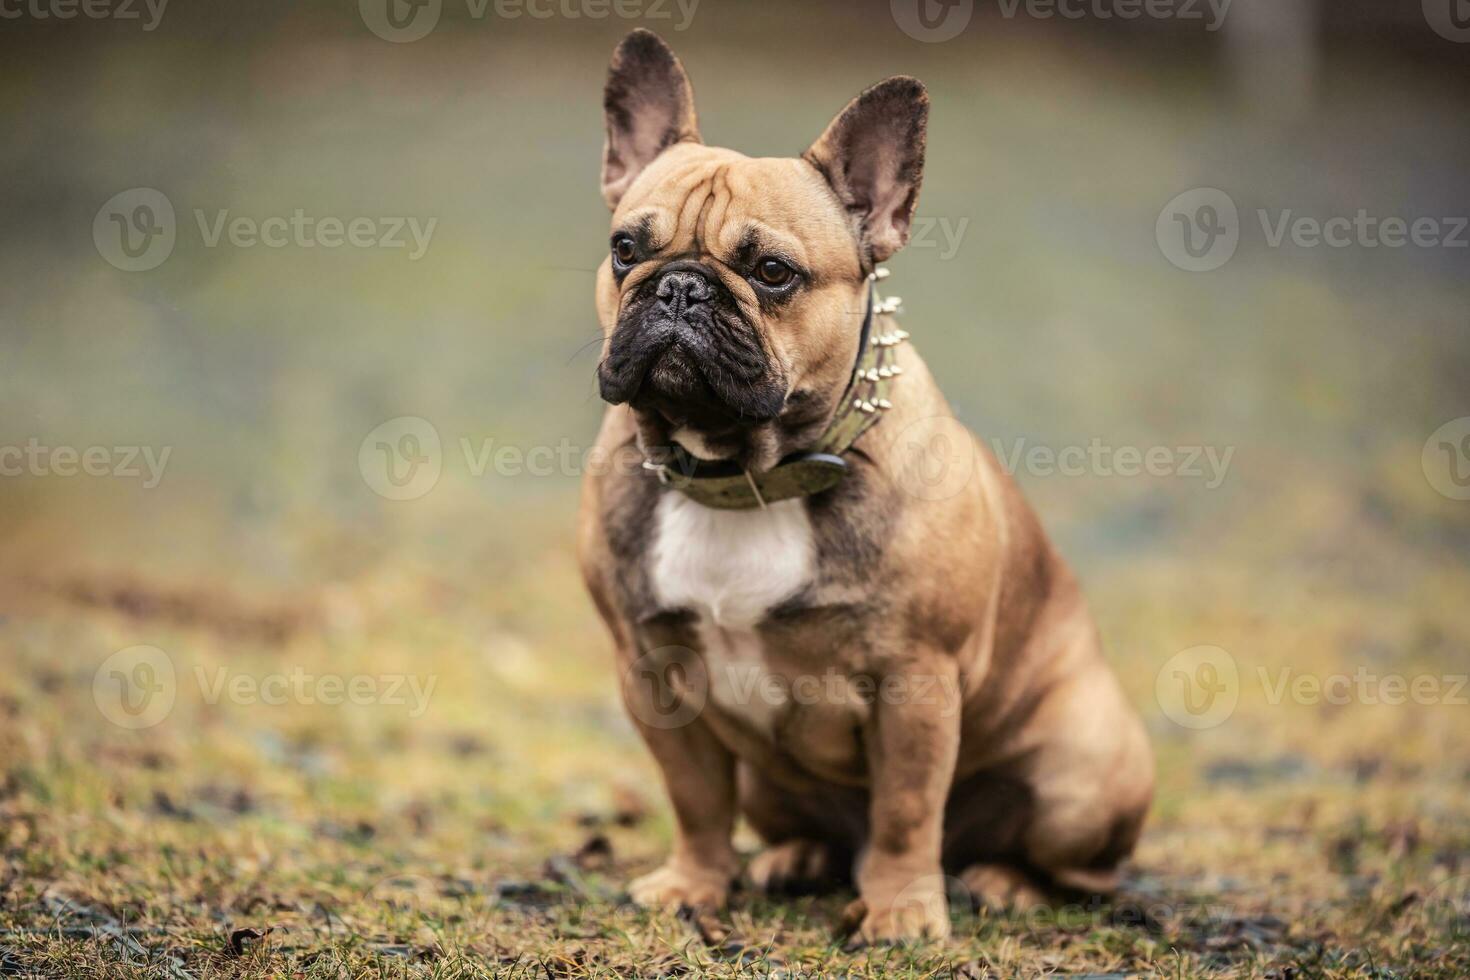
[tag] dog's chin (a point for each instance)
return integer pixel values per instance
(679, 394)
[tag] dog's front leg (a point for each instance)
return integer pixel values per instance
(912, 740)
(699, 776)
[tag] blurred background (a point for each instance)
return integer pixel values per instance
(149, 153)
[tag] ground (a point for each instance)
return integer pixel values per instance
(490, 828)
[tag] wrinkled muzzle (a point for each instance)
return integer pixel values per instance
(683, 349)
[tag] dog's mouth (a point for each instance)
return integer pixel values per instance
(708, 372)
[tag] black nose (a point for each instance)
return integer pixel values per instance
(682, 288)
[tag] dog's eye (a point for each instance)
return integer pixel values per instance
(773, 273)
(624, 250)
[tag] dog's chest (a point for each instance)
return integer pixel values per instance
(731, 567)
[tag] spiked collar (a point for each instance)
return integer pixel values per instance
(725, 486)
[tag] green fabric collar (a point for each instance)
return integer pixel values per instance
(725, 486)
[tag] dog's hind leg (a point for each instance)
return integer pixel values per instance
(811, 837)
(1057, 822)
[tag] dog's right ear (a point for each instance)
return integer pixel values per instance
(873, 156)
(649, 106)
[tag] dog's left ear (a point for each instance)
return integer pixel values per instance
(648, 105)
(873, 156)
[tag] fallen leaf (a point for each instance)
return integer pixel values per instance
(239, 937)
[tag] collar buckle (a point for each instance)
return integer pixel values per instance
(662, 469)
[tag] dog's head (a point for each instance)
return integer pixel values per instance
(734, 291)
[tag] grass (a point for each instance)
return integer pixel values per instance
(491, 832)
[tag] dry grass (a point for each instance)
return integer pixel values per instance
(491, 832)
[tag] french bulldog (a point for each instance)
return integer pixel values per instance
(884, 667)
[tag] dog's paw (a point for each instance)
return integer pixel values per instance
(918, 912)
(672, 887)
(795, 867)
(1001, 888)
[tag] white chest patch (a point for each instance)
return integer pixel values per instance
(731, 567)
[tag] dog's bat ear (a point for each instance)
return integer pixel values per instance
(873, 156)
(648, 105)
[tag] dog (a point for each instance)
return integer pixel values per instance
(887, 671)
